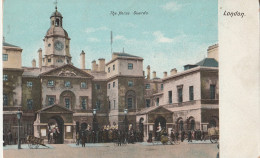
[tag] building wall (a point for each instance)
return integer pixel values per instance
(137, 67)
(59, 87)
(14, 57)
(112, 94)
(101, 95)
(191, 79)
(13, 87)
(209, 77)
(33, 93)
(112, 72)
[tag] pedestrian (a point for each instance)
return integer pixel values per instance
(182, 135)
(203, 135)
(10, 137)
(150, 136)
(83, 138)
(119, 138)
(189, 136)
(77, 138)
(177, 135)
(199, 135)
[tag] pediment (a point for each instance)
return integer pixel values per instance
(67, 71)
(160, 109)
(55, 109)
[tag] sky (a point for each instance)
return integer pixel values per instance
(172, 34)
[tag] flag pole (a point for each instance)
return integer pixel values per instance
(111, 42)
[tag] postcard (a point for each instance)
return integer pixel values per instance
(118, 78)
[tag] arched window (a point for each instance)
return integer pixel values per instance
(192, 124)
(212, 123)
(57, 22)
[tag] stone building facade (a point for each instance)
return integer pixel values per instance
(58, 93)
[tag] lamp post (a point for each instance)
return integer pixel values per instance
(126, 126)
(19, 115)
(94, 124)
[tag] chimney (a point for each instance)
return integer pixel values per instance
(101, 62)
(213, 51)
(82, 60)
(154, 74)
(34, 63)
(173, 71)
(148, 72)
(40, 58)
(94, 65)
(164, 74)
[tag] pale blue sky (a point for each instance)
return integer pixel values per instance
(174, 33)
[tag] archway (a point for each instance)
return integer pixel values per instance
(160, 122)
(213, 122)
(84, 126)
(56, 124)
(191, 123)
(180, 124)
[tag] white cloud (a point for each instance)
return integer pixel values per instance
(91, 29)
(172, 6)
(119, 37)
(92, 39)
(159, 37)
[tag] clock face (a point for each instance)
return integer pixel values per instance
(58, 45)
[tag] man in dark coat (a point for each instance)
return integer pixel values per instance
(177, 135)
(189, 136)
(182, 135)
(83, 138)
(119, 138)
(150, 136)
(10, 137)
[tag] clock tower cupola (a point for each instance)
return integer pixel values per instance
(56, 42)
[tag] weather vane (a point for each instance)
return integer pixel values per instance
(56, 2)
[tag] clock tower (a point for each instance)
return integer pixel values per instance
(56, 43)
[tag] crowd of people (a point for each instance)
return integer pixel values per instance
(8, 138)
(107, 134)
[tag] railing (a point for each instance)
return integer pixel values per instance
(190, 103)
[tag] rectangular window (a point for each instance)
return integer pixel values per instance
(191, 93)
(114, 84)
(5, 57)
(108, 86)
(83, 85)
(157, 101)
(49, 60)
(97, 86)
(130, 83)
(147, 86)
(83, 103)
(67, 103)
(161, 86)
(29, 84)
(147, 101)
(5, 100)
(170, 96)
(50, 83)
(51, 100)
(113, 67)
(212, 91)
(67, 83)
(180, 99)
(130, 103)
(114, 104)
(5, 77)
(130, 66)
(108, 69)
(29, 104)
(98, 104)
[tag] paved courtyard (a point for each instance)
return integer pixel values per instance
(109, 150)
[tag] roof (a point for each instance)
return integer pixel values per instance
(124, 55)
(55, 105)
(56, 13)
(9, 45)
(208, 62)
(150, 109)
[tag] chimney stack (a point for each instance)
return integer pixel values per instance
(213, 51)
(82, 60)
(101, 64)
(164, 74)
(40, 58)
(174, 71)
(34, 63)
(94, 65)
(154, 74)
(148, 72)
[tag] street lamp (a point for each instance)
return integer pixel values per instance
(126, 127)
(19, 115)
(94, 124)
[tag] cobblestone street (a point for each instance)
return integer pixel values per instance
(109, 150)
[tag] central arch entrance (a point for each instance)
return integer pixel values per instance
(159, 124)
(56, 127)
